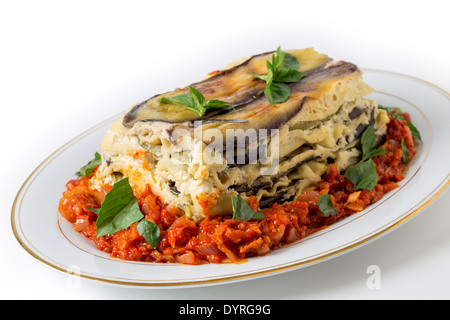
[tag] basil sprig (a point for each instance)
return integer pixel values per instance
(119, 210)
(364, 175)
(196, 102)
(242, 211)
(282, 70)
(87, 170)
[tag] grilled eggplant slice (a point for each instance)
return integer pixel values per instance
(172, 148)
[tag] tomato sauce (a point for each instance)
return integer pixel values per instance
(223, 239)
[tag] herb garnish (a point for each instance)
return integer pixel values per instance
(405, 153)
(242, 211)
(282, 70)
(195, 101)
(119, 210)
(369, 143)
(414, 132)
(150, 232)
(326, 206)
(363, 175)
(90, 166)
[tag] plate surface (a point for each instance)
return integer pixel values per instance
(50, 239)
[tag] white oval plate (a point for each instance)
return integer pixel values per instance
(50, 239)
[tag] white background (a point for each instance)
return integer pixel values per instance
(67, 65)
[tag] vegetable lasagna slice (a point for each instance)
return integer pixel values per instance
(241, 142)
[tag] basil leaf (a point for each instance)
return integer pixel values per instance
(150, 232)
(369, 143)
(119, 210)
(182, 100)
(284, 60)
(363, 175)
(277, 59)
(197, 96)
(270, 74)
(277, 92)
(368, 140)
(195, 101)
(263, 77)
(289, 61)
(326, 206)
(375, 153)
(242, 211)
(414, 132)
(289, 75)
(216, 104)
(405, 153)
(96, 211)
(90, 167)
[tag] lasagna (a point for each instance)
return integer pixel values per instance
(197, 164)
(266, 152)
